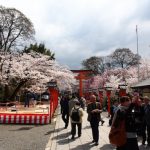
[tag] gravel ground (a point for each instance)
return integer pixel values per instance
(25, 137)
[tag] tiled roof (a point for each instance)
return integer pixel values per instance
(142, 83)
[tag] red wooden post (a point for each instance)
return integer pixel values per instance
(108, 93)
(80, 84)
(82, 74)
(51, 107)
(122, 90)
(101, 97)
(53, 100)
(53, 97)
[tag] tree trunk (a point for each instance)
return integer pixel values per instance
(17, 89)
(6, 93)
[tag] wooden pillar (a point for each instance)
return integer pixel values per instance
(122, 92)
(53, 97)
(101, 97)
(80, 77)
(82, 74)
(108, 92)
(80, 85)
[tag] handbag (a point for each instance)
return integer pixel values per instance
(117, 135)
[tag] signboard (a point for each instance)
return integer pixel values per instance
(52, 84)
(122, 86)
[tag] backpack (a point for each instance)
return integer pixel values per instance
(117, 135)
(75, 116)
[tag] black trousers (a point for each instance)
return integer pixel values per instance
(65, 118)
(146, 128)
(131, 144)
(26, 103)
(95, 129)
(73, 130)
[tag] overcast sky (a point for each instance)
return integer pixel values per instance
(78, 29)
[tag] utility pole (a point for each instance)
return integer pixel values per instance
(137, 49)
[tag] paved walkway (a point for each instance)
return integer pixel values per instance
(61, 138)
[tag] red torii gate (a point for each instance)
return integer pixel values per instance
(82, 74)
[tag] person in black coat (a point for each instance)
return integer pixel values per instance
(27, 98)
(146, 121)
(65, 110)
(94, 110)
(126, 111)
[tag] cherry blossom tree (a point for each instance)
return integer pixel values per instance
(115, 77)
(32, 70)
(144, 68)
(127, 76)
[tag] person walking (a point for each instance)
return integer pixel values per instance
(146, 124)
(126, 112)
(76, 119)
(94, 110)
(113, 109)
(61, 104)
(72, 102)
(65, 110)
(82, 101)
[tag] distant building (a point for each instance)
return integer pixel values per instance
(143, 87)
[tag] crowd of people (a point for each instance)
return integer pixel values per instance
(132, 110)
(73, 108)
